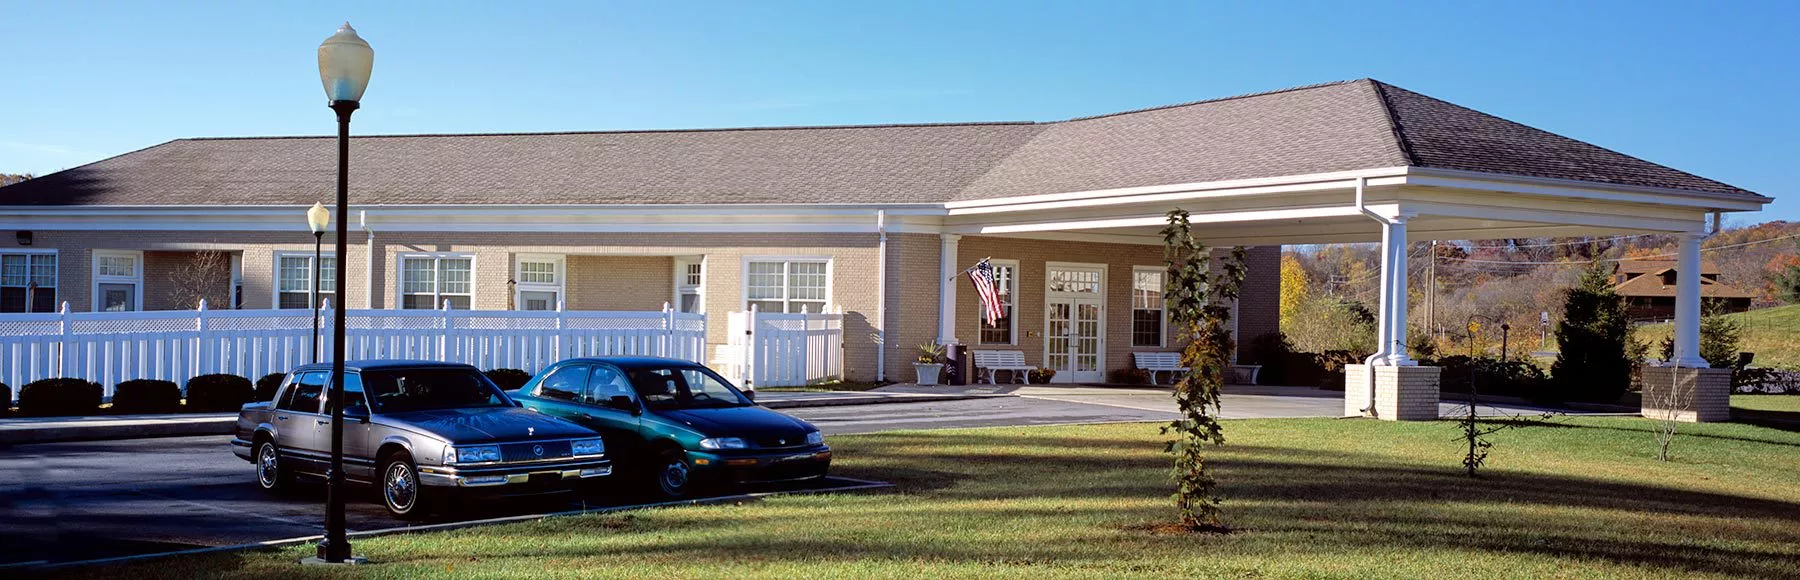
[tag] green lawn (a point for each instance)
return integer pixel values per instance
(1778, 403)
(1772, 333)
(1310, 498)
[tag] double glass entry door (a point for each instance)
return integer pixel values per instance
(1072, 339)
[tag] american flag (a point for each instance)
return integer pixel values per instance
(986, 286)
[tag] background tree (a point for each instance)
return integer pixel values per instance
(1199, 304)
(205, 275)
(1785, 278)
(1296, 286)
(1595, 340)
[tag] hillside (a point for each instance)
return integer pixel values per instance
(1772, 333)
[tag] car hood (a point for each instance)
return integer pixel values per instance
(487, 425)
(751, 421)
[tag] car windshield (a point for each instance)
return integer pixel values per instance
(684, 388)
(430, 389)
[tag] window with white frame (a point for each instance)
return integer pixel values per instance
(237, 281)
(689, 276)
(118, 281)
(294, 282)
(427, 282)
(1003, 330)
(28, 282)
(1147, 314)
(786, 286)
(539, 282)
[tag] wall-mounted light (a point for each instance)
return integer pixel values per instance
(24, 237)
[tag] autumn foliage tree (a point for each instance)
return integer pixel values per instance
(1199, 300)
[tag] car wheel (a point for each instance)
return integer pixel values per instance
(400, 490)
(270, 474)
(674, 474)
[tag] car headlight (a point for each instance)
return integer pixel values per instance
(584, 447)
(815, 438)
(474, 454)
(723, 443)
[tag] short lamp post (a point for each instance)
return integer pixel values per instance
(316, 218)
(345, 61)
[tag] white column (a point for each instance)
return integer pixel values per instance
(1381, 314)
(1397, 294)
(1687, 302)
(947, 275)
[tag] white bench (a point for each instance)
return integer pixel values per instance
(1159, 362)
(993, 361)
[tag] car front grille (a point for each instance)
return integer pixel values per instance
(782, 442)
(534, 451)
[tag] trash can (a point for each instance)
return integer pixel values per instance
(956, 365)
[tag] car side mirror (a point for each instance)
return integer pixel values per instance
(750, 395)
(623, 403)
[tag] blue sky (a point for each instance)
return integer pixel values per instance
(1711, 90)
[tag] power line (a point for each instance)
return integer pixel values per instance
(1630, 259)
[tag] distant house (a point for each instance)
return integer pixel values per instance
(1649, 289)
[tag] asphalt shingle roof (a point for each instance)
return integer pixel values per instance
(1335, 126)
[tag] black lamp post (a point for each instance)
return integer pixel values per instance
(345, 61)
(316, 218)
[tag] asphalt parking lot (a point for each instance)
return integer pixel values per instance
(87, 500)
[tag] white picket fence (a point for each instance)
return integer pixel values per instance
(110, 347)
(773, 349)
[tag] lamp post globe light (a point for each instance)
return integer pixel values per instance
(345, 61)
(316, 218)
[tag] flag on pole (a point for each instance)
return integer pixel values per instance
(986, 286)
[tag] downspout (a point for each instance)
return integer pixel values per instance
(881, 298)
(1381, 349)
(369, 285)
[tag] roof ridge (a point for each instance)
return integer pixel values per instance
(1215, 100)
(625, 131)
(1393, 121)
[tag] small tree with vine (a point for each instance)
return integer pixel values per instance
(1199, 300)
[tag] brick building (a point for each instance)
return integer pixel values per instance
(872, 219)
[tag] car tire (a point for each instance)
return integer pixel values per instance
(673, 474)
(399, 488)
(271, 475)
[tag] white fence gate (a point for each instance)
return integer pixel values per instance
(773, 349)
(175, 345)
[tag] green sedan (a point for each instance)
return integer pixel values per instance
(677, 423)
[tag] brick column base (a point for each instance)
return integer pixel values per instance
(1401, 393)
(1692, 395)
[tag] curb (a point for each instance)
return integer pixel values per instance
(125, 427)
(843, 401)
(121, 428)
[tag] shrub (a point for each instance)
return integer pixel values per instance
(266, 386)
(1331, 367)
(1594, 359)
(5, 399)
(59, 397)
(1274, 351)
(1492, 376)
(508, 379)
(1131, 376)
(1041, 375)
(220, 392)
(146, 396)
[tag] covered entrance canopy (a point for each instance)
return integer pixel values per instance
(1402, 168)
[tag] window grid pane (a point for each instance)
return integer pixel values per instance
(537, 272)
(14, 270)
(454, 276)
(418, 275)
(123, 266)
(1000, 332)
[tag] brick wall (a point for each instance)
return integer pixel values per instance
(595, 262)
(1687, 394)
(1259, 306)
(619, 282)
